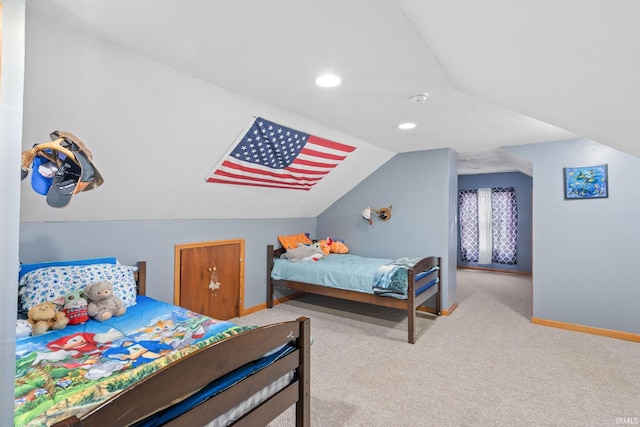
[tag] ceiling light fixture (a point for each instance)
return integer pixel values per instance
(420, 98)
(406, 126)
(328, 80)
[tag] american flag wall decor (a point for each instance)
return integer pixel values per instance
(272, 155)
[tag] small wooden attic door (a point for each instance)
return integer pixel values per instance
(209, 278)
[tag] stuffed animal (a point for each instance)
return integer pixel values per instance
(329, 245)
(303, 253)
(45, 316)
(103, 304)
(325, 245)
(75, 307)
(339, 247)
(23, 328)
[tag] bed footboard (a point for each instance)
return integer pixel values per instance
(183, 378)
(417, 295)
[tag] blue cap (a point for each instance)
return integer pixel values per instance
(39, 183)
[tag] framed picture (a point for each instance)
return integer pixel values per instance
(586, 182)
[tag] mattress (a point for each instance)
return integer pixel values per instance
(342, 271)
(380, 276)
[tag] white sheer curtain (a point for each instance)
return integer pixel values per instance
(485, 232)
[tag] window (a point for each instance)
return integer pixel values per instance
(488, 225)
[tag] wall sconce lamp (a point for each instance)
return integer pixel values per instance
(383, 214)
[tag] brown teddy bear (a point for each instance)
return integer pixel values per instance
(45, 316)
(103, 304)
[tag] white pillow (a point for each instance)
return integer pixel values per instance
(49, 283)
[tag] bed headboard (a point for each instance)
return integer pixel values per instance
(279, 251)
(141, 277)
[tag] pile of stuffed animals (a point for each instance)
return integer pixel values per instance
(303, 253)
(96, 301)
(315, 251)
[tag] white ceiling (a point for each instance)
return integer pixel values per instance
(498, 72)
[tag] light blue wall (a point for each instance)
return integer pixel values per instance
(420, 186)
(154, 242)
(523, 186)
(585, 251)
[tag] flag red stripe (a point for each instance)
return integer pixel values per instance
(255, 179)
(330, 144)
(251, 178)
(298, 161)
(242, 168)
(306, 172)
(252, 184)
(310, 152)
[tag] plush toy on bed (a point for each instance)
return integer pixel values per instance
(75, 306)
(329, 245)
(325, 245)
(23, 328)
(338, 247)
(303, 253)
(103, 304)
(45, 316)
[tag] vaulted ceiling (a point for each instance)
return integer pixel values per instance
(496, 72)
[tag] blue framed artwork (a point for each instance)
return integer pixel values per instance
(586, 182)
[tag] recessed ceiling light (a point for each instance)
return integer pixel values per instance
(406, 126)
(328, 80)
(421, 98)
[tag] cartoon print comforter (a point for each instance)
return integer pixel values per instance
(67, 372)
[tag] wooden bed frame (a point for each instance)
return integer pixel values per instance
(410, 304)
(189, 374)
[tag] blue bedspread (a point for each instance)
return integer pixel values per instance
(343, 271)
(382, 276)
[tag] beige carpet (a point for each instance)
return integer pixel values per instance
(485, 365)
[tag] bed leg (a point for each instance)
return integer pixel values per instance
(411, 308)
(411, 327)
(411, 321)
(303, 406)
(269, 282)
(269, 293)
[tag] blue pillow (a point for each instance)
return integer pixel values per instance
(25, 268)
